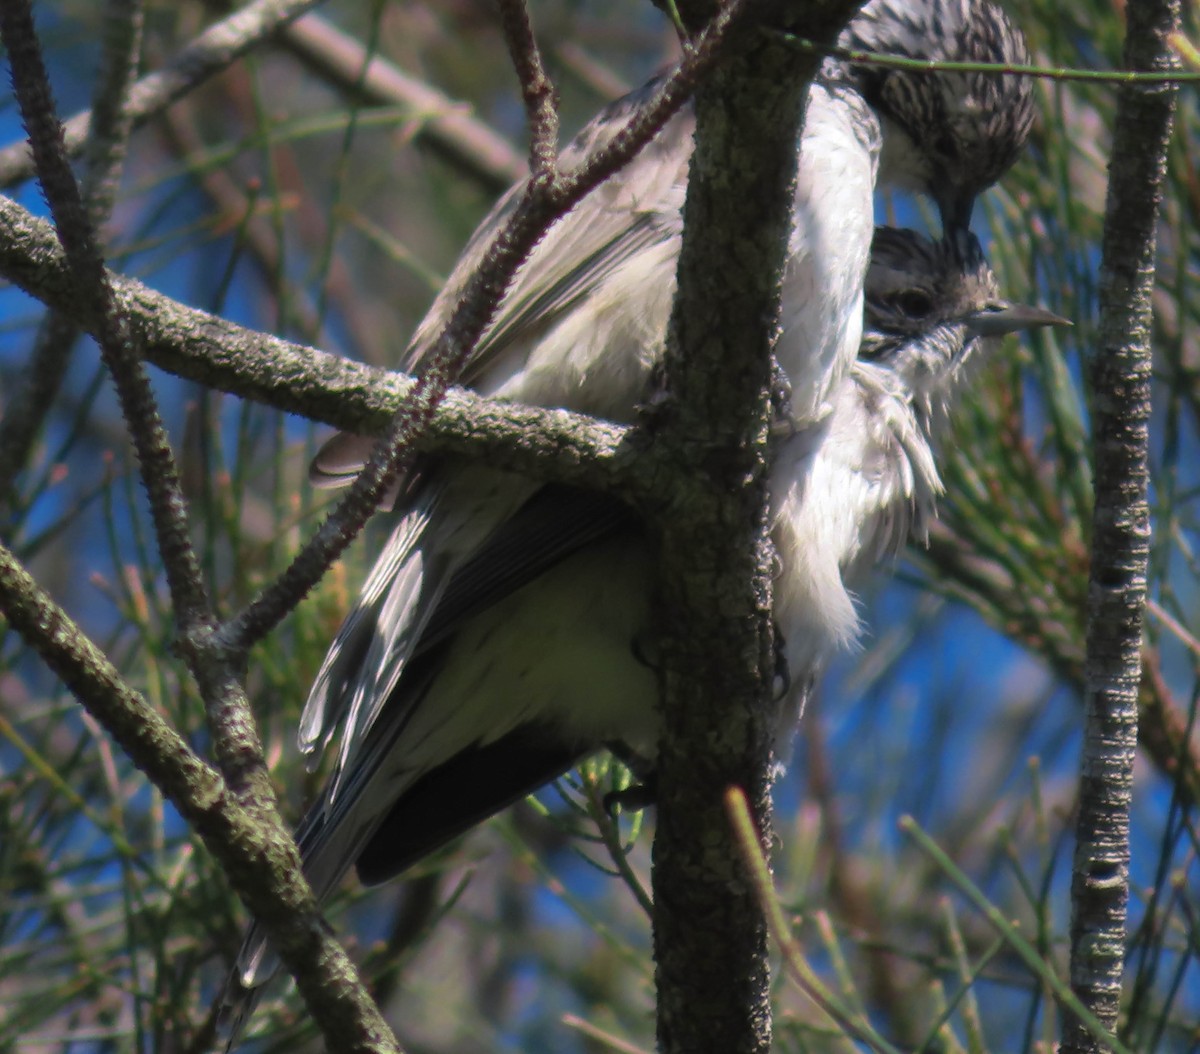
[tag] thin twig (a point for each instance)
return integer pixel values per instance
(215, 49)
(540, 205)
(236, 837)
(537, 90)
(86, 263)
(442, 123)
(1051, 73)
(104, 158)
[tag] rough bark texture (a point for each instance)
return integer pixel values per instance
(717, 645)
(1121, 526)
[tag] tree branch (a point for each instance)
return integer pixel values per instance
(446, 125)
(104, 157)
(717, 644)
(213, 50)
(237, 837)
(552, 444)
(1120, 375)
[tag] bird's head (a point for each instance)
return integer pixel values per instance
(950, 135)
(930, 306)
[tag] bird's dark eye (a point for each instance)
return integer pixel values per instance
(914, 303)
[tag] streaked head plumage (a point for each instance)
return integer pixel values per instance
(958, 132)
(931, 304)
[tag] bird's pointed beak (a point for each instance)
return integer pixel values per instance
(954, 208)
(997, 321)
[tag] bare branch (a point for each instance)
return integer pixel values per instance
(1120, 378)
(236, 836)
(551, 444)
(86, 264)
(717, 640)
(104, 159)
(541, 106)
(540, 204)
(208, 54)
(445, 125)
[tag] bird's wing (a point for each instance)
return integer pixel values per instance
(555, 522)
(455, 516)
(428, 772)
(578, 251)
(465, 790)
(512, 693)
(398, 567)
(399, 594)
(615, 222)
(415, 597)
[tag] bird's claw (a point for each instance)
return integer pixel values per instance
(634, 798)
